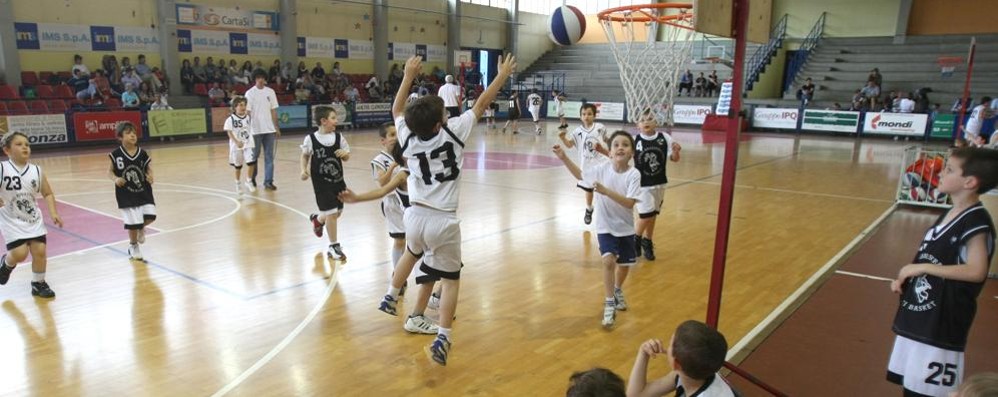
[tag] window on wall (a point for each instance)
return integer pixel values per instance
(491, 3)
(586, 6)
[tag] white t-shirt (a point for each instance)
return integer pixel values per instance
(586, 141)
(259, 102)
(325, 139)
(976, 120)
(715, 387)
(82, 68)
(559, 107)
(442, 155)
(612, 217)
(449, 93)
(906, 106)
(240, 129)
(534, 101)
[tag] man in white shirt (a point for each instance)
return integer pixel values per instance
(906, 105)
(451, 94)
(78, 65)
(262, 105)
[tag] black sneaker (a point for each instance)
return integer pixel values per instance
(649, 249)
(589, 217)
(637, 246)
(335, 252)
(41, 289)
(4, 270)
(270, 186)
(253, 182)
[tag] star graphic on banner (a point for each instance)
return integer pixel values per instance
(356, 26)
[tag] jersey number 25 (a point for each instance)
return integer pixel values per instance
(449, 162)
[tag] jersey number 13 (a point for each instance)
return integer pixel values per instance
(450, 170)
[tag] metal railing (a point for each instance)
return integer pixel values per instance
(804, 52)
(757, 63)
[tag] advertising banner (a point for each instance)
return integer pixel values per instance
(402, 51)
(942, 126)
(176, 122)
(100, 126)
(724, 100)
(264, 44)
(436, 53)
(830, 120)
(210, 41)
(611, 111)
(43, 129)
(225, 18)
(361, 49)
(907, 124)
(690, 114)
(218, 116)
(778, 118)
(292, 116)
(372, 113)
(134, 39)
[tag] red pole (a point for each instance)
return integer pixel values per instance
(740, 20)
(966, 88)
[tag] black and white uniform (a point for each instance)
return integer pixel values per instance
(715, 386)
(513, 112)
(651, 158)
(391, 204)
(534, 103)
(240, 129)
(432, 229)
(586, 140)
(935, 314)
(20, 218)
(326, 170)
(135, 198)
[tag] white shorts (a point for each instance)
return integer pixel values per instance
(238, 157)
(393, 211)
(923, 368)
(651, 203)
(135, 217)
(536, 113)
(435, 236)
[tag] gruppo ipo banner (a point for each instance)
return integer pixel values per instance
(79, 38)
(44, 129)
(690, 114)
(226, 18)
(906, 124)
(100, 126)
(777, 118)
(176, 122)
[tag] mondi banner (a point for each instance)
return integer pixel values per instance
(906, 124)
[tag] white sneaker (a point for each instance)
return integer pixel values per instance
(239, 188)
(420, 325)
(250, 187)
(134, 252)
(434, 302)
(141, 236)
(618, 299)
(609, 314)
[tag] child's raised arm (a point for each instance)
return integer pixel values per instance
(412, 67)
(572, 168)
(506, 68)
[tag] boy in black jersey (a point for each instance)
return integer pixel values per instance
(652, 152)
(939, 290)
(322, 155)
(132, 177)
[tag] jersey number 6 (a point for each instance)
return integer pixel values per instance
(449, 163)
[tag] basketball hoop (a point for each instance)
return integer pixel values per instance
(948, 64)
(651, 44)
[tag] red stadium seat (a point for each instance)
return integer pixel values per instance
(46, 77)
(64, 92)
(241, 89)
(200, 89)
(57, 106)
(29, 79)
(38, 107)
(45, 92)
(17, 108)
(64, 76)
(112, 103)
(3, 108)
(8, 92)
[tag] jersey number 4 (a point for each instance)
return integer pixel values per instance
(947, 372)
(12, 182)
(449, 162)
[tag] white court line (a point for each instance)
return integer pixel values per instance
(793, 301)
(861, 275)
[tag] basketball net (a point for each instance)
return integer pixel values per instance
(652, 45)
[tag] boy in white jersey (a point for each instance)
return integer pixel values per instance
(490, 115)
(653, 150)
(240, 143)
(433, 146)
(384, 168)
(696, 352)
(21, 222)
(559, 108)
(534, 102)
(589, 138)
(976, 121)
(619, 188)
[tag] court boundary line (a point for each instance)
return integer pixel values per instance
(778, 315)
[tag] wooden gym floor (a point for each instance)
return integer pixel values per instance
(238, 297)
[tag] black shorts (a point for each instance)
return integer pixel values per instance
(513, 115)
(17, 243)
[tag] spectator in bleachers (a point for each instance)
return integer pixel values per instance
(129, 99)
(222, 73)
(922, 100)
(713, 85)
(892, 101)
(110, 66)
(236, 74)
(905, 104)
(302, 69)
(90, 92)
(274, 73)
(145, 73)
(147, 94)
(78, 65)
(395, 75)
(686, 81)
(336, 69)
(130, 77)
(318, 73)
(160, 103)
(103, 85)
(387, 91)
(871, 93)
(438, 74)
(78, 82)
(699, 85)
(247, 72)
(876, 78)
(199, 75)
(301, 94)
(351, 94)
(187, 76)
(210, 69)
(126, 63)
(806, 92)
(373, 88)
(216, 95)
(934, 112)
(858, 101)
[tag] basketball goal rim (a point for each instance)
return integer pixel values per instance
(640, 13)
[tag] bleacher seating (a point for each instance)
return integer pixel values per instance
(45, 92)
(38, 107)
(64, 92)
(57, 106)
(17, 107)
(29, 79)
(9, 93)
